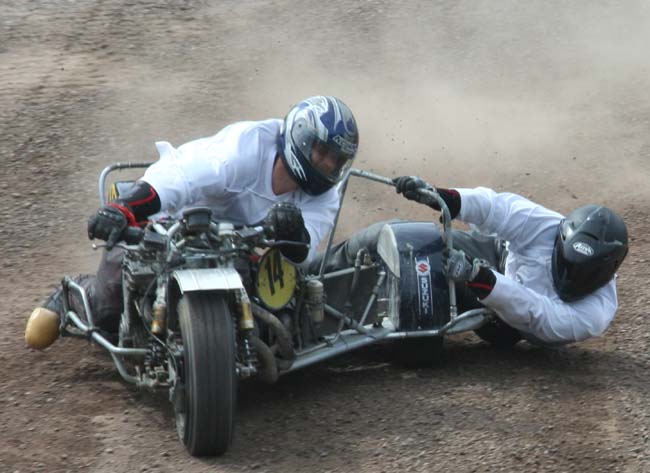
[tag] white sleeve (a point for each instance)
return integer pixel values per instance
(552, 321)
(183, 178)
(510, 216)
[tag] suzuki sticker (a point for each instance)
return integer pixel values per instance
(423, 272)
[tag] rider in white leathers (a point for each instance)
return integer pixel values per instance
(284, 172)
(559, 283)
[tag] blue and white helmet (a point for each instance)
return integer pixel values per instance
(318, 142)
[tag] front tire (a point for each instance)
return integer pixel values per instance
(206, 409)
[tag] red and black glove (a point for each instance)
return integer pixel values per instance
(111, 221)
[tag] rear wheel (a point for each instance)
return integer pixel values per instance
(206, 396)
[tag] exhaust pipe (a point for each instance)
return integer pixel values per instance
(285, 345)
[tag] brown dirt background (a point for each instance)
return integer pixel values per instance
(549, 99)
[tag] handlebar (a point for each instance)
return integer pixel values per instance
(446, 215)
(133, 235)
(109, 169)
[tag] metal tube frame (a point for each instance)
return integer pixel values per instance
(373, 296)
(109, 169)
(341, 272)
(91, 331)
(348, 340)
(444, 329)
(347, 320)
(330, 239)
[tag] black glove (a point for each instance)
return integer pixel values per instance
(287, 224)
(409, 185)
(476, 273)
(458, 267)
(108, 224)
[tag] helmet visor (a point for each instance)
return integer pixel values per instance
(569, 280)
(574, 280)
(326, 158)
(329, 161)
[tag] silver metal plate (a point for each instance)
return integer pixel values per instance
(208, 279)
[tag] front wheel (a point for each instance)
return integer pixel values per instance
(206, 408)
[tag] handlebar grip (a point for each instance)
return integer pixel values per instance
(133, 235)
(275, 243)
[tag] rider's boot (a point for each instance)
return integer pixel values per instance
(43, 324)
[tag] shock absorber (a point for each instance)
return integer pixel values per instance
(249, 354)
(159, 322)
(246, 326)
(315, 302)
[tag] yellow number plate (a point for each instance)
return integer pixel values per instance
(276, 280)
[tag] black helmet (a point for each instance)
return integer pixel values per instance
(318, 142)
(591, 244)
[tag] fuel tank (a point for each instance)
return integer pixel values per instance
(412, 252)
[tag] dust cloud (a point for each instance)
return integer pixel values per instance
(547, 99)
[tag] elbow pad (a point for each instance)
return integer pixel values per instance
(141, 199)
(451, 198)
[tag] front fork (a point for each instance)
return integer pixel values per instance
(244, 326)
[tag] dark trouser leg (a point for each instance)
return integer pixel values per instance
(475, 245)
(104, 291)
(491, 249)
(108, 291)
(343, 254)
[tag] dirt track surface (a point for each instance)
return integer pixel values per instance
(549, 99)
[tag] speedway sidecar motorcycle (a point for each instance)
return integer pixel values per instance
(208, 304)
